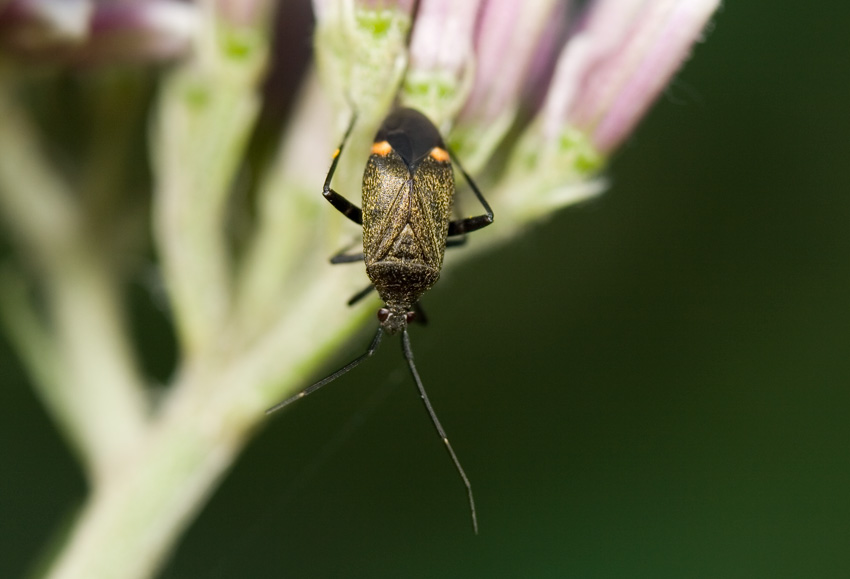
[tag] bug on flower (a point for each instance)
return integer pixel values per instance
(408, 193)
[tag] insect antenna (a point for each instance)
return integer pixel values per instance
(350, 366)
(408, 355)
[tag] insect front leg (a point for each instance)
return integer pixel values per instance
(361, 294)
(342, 256)
(420, 317)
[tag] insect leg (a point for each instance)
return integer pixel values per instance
(351, 365)
(361, 294)
(408, 355)
(420, 318)
(343, 257)
(461, 226)
(342, 204)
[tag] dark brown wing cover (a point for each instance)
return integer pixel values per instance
(405, 222)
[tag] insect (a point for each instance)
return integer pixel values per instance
(408, 191)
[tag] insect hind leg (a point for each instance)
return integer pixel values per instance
(461, 226)
(339, 202)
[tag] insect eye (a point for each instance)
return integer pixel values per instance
(410, 316)
(383, 314)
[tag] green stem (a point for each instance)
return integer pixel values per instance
(93, 386)
(133, 518)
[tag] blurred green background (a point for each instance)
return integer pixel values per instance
(653, 384)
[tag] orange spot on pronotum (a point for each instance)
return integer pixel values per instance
(439, 154)
(381, 148)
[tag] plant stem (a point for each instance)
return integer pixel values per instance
(93, 386)
(138, 513)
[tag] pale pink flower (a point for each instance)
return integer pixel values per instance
(97, 30)
(616, 63)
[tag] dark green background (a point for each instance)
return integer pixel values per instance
(655, 384)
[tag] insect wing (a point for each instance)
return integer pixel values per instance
(433, 193)
(386, 204)
(402, 217)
